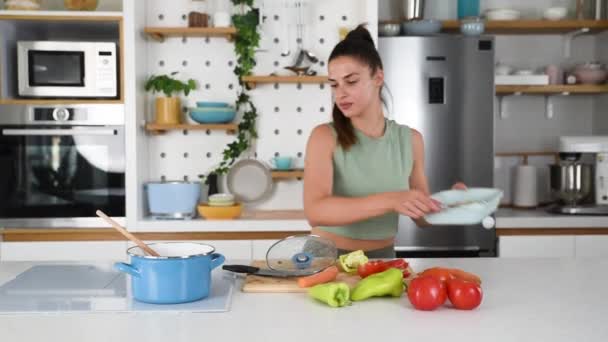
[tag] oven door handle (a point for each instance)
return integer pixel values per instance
(57, 132)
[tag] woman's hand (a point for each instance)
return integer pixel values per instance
(415, 204)
(459, 186)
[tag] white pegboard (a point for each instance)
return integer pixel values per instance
(287, 112)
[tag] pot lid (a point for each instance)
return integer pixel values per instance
(302, 254)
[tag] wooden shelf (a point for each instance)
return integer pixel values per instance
(533, 26)
(60, 15)
(56, 102)
(552, 89)
(160, 33)
(252, 81)
(294, 174)
(162, 128)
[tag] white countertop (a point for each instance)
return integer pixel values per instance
(524, 300)
(540, 218)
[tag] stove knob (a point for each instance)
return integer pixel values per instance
(61, 114)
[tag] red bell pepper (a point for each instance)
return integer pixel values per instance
(377, 266)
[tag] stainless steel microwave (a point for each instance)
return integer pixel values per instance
(60, 69)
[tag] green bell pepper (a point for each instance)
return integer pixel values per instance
(349, 262)
(387, 283)
(333, 294)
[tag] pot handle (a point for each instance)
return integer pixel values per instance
(127, 268)
(216, 260)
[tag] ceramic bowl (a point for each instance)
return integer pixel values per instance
(472, 27)
(389, 29)
(423, 27)
(502, 14)
(212, 115)
(555, 13)
(219, 213)
(479, 203)
(590, 76)
(209, 104)
(221, 200)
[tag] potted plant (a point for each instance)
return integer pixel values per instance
(168, 107)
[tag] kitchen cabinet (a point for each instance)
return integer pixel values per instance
(591, 246)
(63, 251)
(537, 246)
(562, 246)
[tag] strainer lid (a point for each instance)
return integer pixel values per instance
(302, 254)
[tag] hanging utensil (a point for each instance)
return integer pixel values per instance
(249, 180)
(311, 57)
(286, 51)
(294, 256)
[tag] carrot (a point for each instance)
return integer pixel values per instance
(324, 276)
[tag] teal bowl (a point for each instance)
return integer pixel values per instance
(207, 104)
(212, 115)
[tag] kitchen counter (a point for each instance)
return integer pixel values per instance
(539, 218)
(524, 300)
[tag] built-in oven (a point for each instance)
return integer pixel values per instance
(59, 164)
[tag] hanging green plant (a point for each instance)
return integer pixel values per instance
(246, 42)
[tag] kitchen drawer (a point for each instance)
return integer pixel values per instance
(537, 246)
(231, 249)
(591, 246)
(63, 251)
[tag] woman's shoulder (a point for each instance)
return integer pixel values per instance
(405, 131)
(324, 132)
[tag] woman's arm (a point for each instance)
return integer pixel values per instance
(322, 208)
(418, 180)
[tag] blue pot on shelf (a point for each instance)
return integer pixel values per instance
(173, 199)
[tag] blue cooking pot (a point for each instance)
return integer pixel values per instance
(181, 274)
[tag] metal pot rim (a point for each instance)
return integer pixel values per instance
(130, 253)
(174, 182)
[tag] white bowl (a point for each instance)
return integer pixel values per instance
(503, 69)
(465, 207)
(555, 13)
(503, 14)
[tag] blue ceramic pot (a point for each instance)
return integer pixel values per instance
(173, 199)
(181, 274)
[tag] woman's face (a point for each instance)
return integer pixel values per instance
(353, 85)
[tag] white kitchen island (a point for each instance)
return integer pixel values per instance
(524, 300)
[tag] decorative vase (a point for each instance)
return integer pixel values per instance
(168, 110)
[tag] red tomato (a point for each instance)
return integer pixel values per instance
(442, 274)
(426, 293)
(464, 295)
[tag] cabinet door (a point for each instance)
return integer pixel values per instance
(591, 246)
(536, 246)
(63, 251)
(232, 250)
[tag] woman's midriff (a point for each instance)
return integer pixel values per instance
(346, 243)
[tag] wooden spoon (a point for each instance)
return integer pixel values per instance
(128, 235)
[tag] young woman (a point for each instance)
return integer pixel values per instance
(363, 170)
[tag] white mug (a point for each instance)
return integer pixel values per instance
(525, 191)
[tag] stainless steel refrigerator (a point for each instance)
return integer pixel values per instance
(443, 86)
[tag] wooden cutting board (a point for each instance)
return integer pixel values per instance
(257, 284)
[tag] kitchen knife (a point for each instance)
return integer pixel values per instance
(257, 271)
